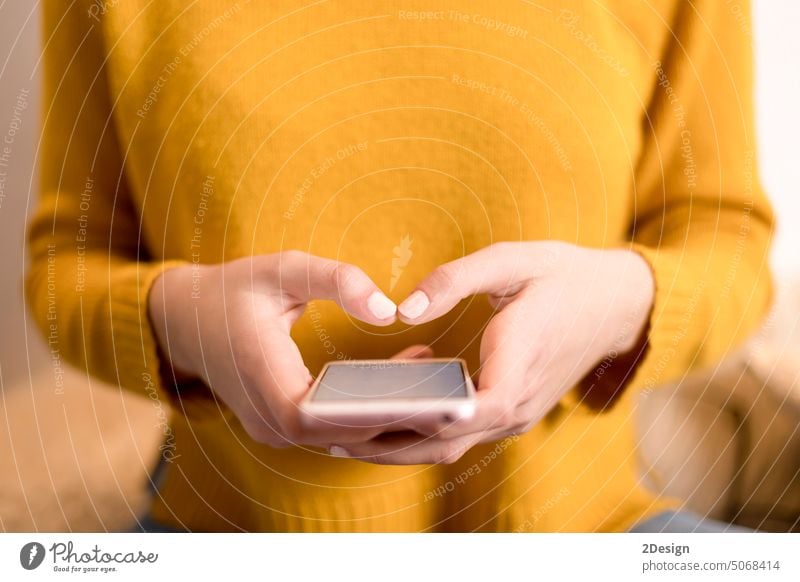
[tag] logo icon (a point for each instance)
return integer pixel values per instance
(31, 555)
(402, 255)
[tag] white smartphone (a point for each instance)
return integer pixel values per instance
(391, 393)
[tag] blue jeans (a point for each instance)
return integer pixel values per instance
(685, 522)
(147, 524)
(666, 522)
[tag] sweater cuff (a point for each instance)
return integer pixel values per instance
(672, 341)
(140, 365)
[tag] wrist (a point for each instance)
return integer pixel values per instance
(638, 300)
(168, 296)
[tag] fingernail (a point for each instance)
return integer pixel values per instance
(381, 306)
(415, 305)
(337, 451)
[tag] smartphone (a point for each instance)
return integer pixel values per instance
(391, 393)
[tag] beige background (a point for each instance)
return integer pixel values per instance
(19, 40)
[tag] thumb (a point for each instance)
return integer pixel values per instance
(415, 352)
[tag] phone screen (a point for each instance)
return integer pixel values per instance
(392, 380)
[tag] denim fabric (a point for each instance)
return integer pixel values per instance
(685, 522)
(147, 524)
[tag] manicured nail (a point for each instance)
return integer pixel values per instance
(337, 451)
(381, 306)
(415, 305)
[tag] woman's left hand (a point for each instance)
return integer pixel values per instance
(561, 309)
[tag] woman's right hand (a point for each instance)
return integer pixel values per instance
(229, 325)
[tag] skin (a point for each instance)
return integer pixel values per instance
(548, 332)
(241, 347)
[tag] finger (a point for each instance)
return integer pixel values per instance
(407, 448)
(307, 277)
(280, 375)
(414, 352)
(283, 381)
(412, 449)
(504, 381)
(500, 269)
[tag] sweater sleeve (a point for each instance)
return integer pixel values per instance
(700, 217)
(89, 275)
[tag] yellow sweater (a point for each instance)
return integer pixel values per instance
(396, 136)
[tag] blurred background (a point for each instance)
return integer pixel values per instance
(75, 455)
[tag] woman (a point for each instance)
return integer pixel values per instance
(235, 193)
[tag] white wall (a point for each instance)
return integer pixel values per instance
(777, 47)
